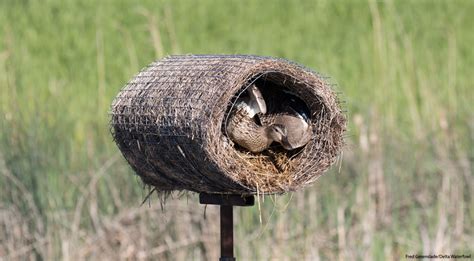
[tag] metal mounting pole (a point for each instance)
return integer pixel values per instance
(226, 203)
(227, 233)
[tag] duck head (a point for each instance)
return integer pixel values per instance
(279, 133)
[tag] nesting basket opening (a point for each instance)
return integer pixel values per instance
(276, 166)
(274, 86)
(169, 122)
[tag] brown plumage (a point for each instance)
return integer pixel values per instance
(298, 130)
(244, 130)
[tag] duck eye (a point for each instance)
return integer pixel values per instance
(280, 130)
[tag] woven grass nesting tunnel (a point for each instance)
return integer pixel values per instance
(169, 123)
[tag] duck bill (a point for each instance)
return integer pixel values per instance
(286, 145)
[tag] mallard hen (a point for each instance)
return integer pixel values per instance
(243, 129)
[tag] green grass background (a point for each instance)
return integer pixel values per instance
(403, 68)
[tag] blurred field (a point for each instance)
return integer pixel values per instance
(405, 184)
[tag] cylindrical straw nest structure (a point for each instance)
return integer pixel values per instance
(169, 122)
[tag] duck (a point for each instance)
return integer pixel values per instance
(243, 129)
(290, 112)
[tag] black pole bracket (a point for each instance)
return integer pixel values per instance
(226, 199)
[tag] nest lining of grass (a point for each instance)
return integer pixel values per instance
(169, 122)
